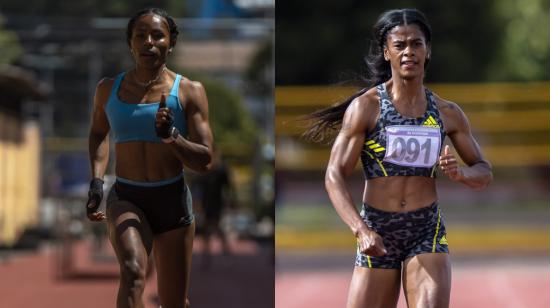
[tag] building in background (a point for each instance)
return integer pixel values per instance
(20, 146)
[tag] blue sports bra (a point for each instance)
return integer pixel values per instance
(401, 146)
(136, 122)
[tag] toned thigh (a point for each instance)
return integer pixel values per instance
(130, 234)
(172, 253)
(427, 280)
(374, 287)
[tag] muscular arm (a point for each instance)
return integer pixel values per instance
(477, 173)
(343, 158)
(98, 140)
(195, 152)
(359, 118)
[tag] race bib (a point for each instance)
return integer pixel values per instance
(413, 146)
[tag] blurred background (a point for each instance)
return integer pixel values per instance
(53, 55)
(492, 58)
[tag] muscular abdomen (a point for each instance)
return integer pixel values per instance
(146, 161)
(400, 193)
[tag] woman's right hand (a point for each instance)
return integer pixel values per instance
(370, 243)
(164, 120)
(95, 195)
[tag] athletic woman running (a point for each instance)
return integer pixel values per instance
(159, 123)
(397, 126)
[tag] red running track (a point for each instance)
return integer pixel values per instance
(505, 285)
(28, 279)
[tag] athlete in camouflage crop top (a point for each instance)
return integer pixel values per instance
(412, 151)
(401, 228)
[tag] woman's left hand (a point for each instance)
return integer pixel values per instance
(449, 165)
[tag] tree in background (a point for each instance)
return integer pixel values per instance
(10, 49)
(232, 124)
(525, 47)
(319, 41)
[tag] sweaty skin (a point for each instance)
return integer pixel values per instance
(407, 51)
(147, 161)
(129, 230)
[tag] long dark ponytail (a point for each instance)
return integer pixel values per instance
(325, 122)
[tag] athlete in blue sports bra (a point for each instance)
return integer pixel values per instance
(397, 127)
(159, 123)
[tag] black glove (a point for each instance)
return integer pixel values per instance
(95, 195)
(162, 127)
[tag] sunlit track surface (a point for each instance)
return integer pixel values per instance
(317, 280)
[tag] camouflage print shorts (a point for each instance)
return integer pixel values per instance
(404, 234)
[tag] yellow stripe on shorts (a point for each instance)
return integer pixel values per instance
(436, 229)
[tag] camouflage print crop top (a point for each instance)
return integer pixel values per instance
(401, 146)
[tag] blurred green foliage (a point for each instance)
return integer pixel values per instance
(10, 49)
(232, 124)
(324, 41)
(525, 46)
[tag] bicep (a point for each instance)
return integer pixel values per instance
(99, 122)
(197, 118)
(464, 142)
(345, 152)
(349, 142)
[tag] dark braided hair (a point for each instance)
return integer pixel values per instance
(326, 121)
(156, 11)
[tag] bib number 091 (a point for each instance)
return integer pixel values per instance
(410, 150)
(415, 146)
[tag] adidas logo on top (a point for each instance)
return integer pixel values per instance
(430, 121)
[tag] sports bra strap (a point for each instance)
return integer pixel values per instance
(176, 86)
(431, 99)
(116, 85)
(384, 95)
